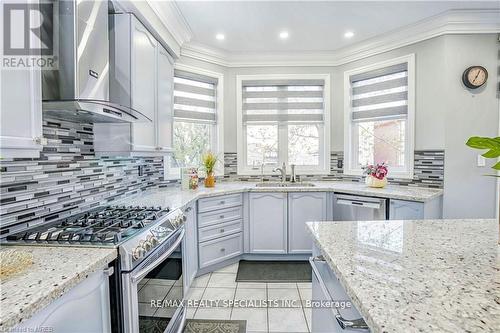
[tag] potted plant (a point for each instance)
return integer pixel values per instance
(209, 160)
(493, 147)
(376, 176)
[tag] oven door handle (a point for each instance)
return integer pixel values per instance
(136, 277)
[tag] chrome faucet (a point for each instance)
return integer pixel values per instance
(282, 171)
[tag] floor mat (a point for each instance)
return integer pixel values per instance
(274, 271)
(215, 326)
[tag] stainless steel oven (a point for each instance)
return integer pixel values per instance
(153, 290)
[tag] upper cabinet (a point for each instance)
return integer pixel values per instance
(141, 77)
(21, 113)
(21, 110)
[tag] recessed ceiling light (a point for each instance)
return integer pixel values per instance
(349, 34)
(220, 36)
(284, 35)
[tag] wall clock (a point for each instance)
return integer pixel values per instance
(474, 77)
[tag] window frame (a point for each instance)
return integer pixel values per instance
(324, 159)
(217, 130)
(350, 139)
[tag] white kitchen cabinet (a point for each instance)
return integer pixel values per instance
(268, 223)
(304, 207)
(143, 85)
(165, 100)
(141, 77)
(190, 248)
(412, 210)
(84, 308)
(20, 112)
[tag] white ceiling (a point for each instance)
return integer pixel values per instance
(312, 25)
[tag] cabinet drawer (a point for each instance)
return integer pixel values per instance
(220, 249)
(219, 230)
(209, 204)
(220, 216)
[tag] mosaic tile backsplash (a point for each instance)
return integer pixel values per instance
(428, 170)
(67, 178)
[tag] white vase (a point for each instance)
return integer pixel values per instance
(372, 181)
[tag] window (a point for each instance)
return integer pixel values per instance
(282, 118)
(197, 125)
(379, 117)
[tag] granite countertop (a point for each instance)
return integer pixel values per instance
(417, 276)
(52, 274)
(174, 197)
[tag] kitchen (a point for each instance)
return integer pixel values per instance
(187, 166)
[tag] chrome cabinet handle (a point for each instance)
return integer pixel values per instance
(40, 140)
(355, 324)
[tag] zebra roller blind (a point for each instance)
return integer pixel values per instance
(283, 100)
(195, 97)
(380, 94)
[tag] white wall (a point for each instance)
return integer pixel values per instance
(446, 113)
(468, 193)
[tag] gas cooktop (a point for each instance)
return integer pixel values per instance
(108, 225)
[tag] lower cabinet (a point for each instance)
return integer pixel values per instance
(218, 250)
(268, 222)
(220, 229)
(304, 207)
(412, 210)
(84, 308)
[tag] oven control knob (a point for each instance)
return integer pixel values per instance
(152, 239)
(138, 253)
(146, 245)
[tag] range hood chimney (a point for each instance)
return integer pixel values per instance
(79, 89)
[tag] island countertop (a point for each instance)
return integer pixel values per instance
(417, 276)
(55, 270)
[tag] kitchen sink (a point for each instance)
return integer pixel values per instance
(280, 184)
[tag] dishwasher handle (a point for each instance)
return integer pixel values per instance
(360, 203)
(354, 324)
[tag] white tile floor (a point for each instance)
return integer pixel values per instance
(270, 318)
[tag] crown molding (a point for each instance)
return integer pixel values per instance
(450, 22)
(165, 22)
(171, 16)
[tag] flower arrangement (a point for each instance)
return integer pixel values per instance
(376, 175)
(209, 160)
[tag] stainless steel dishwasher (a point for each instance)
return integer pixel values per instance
(347, 207)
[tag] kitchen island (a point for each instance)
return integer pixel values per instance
(416, 275)
(55, 271)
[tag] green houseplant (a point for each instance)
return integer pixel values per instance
(491, 144)
(493, 151)
(209, 160)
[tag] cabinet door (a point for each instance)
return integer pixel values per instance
(21, 112)
(143, 86)
(304, 207)
(190, 247)
(268, 223)
(165, 102)
(406, 210)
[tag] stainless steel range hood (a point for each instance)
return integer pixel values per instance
(79, 89)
